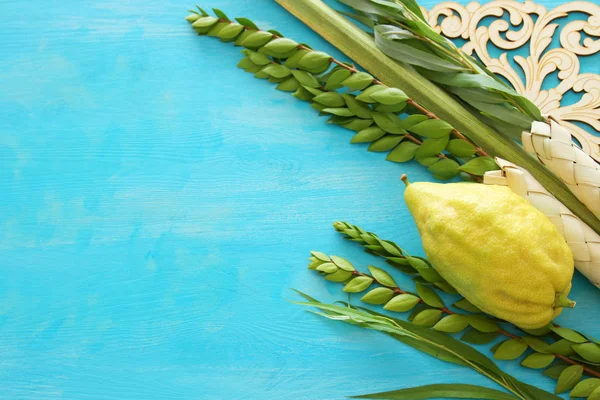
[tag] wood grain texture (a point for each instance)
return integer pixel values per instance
(157, 205)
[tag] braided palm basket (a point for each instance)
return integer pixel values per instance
(583, 241)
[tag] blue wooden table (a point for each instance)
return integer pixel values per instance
(157, 204)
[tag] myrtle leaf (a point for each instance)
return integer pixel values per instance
(389, 122)
(315, 62)
(483, 323)
(444, 169)
(403, 152)
(339, 276)
(479, 166)
(229, 33)
(466, 305)
(585, 387)
(280, 45)
(382, 277)
(358, 81)
(473, 336)
(413, 120)
(402, 303)
(569, 334)
(589, 351)
(427, 318)
(343, 263)
(595, 395)
(358, 284)
(390, 96)
(257, 39)
(294, 60)
(380, 295)
(431, 147)
(537, 344)
(305, 78)
(365, 96)
(320, 256)
(370, 134)
(247, 23)
(328, 268)
(335, 80)
(460, 148)
(569, 378)
(538, 360)
(341, 111)
(385, 143)
(432, 128)
(510, 349)
(452, 323)
(358, 124)
(359, 108)
(429, 296)
(277, 70)
(424, 269)
(288, 85)
(330, 99)
(394, 108)
(562, 347)
(259, 58)
(555, 370)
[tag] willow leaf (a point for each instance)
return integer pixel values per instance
(449, 391)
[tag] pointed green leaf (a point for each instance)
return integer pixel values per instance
(258, 58)
(473, 336)
(358, 124)
(281, 46)
(257, 39)
(555, 370)
(432, 128)
(382, 277)
(479, 166)
(537, 360)
(390, 96)
(444, 169)
(247, 23)
(205, 22)
(380, 295)
(483, 324)
(585, 387)
(359, 108)
(589, 351)
(341, 111)
(460, 148)
(510, 349)
(424, 269)
(358, 284)
(214, 31)
(339, 276)
(452, 323)
(229, 33)
(562, 347)
(220, 14)
(404, 152)
(336, 79)
(394, 108)
(320, 256)
(330, 99)
(569, 378)
(388, 122)
(595, 395)
(537, 344)
(413, 120)
(369, 135)
(343, 263)
(431, 147)
(303, 94)
(429, 296)
(365, 96)
(466, 305)
(328, 268)
(427, 318)
(315, 61)
(358, 81)
(402, 303)
(294, 60)
(288, 85)
(277, 70)
(385, 143)
(306, 78)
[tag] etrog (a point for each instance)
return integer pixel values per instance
(499, 252)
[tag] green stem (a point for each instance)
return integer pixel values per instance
(359, 46)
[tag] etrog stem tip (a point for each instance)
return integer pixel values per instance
(404, 178)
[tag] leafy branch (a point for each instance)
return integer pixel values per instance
(565, 354)
(402, 33)
(431, 342)
(383, 116)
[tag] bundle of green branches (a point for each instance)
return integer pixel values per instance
(425, 124)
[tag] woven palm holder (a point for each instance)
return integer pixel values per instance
(552, 145)
(583, 241)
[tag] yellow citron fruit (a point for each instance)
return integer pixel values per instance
(495, 249)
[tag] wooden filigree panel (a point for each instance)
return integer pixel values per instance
(533, 25)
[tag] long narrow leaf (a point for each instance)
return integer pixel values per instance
(449, 391)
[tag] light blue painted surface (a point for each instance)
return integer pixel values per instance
(157, 205)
